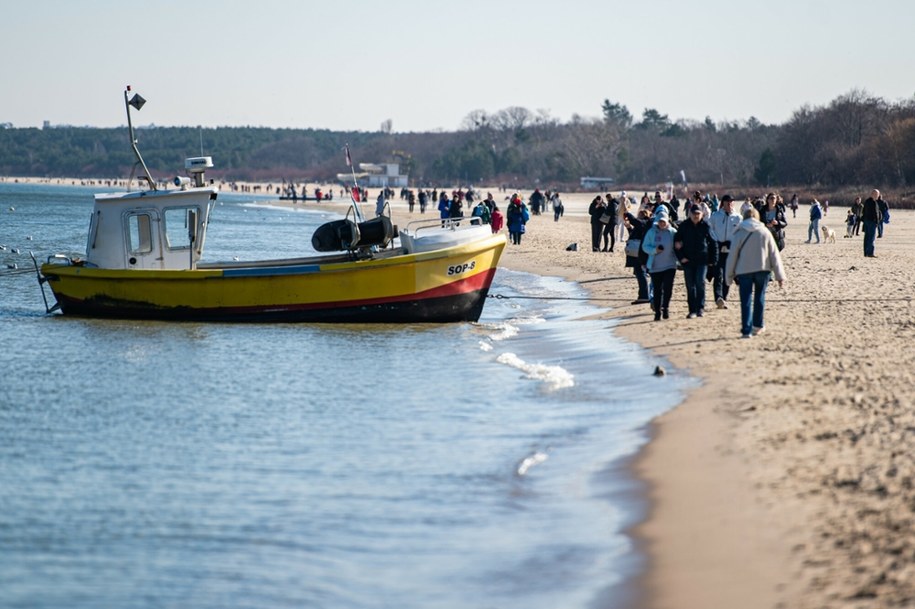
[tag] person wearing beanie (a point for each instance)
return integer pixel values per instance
(696, 250)
(662, 261)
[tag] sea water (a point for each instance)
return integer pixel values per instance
(470, 465)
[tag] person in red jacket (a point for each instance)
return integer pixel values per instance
(497, 220)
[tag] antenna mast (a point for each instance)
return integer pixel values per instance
(137, 102)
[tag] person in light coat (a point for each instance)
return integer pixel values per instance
(658, 243)
(723, 222)
(752, 259)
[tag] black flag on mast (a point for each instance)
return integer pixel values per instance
(137, 101)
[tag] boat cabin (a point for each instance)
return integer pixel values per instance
(153, 229)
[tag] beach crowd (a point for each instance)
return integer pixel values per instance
(706, 239)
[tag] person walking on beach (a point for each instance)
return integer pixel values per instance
(537, 201)
(496, 219)
(871, 217)
(444, 207)
(609, 221)
(857, 208)
(850, 221)
(423, 199)
(379, 203)
(723, 224)
(700, 202)
(620, 217)
(516, 218)
(646, 204)
(884, 208)
(813, 227)
(662, 261)
(596, 210)
(753, 259)
(794, 205)
(558, 208)
(482, 212)
(773, 216)
(456, 210)
(696, 250)
(636, 258)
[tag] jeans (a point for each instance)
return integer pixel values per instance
(752, 305)
(516, 238)
(609, 234)
(870, 233)
(662, 283)
(719, 285)
(813, 229)
(880, 226)
(596, 229)
(694, 277)
(639, 272)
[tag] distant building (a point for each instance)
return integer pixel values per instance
(377, 175)
(590, 183)
(46, 125)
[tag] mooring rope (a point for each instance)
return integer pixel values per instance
(768, 299)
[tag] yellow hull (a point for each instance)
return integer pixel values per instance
(443, 285)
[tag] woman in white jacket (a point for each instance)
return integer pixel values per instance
(752, 260)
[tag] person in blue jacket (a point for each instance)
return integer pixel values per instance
(662, 261)
(516, 218)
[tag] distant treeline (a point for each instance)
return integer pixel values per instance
(857, 139)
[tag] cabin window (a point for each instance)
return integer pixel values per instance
(93, 231)
(140, 232)
(177, 233)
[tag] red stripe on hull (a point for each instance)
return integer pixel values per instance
(460, 300)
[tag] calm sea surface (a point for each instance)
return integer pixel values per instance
(150, 464)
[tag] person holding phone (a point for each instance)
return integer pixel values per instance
(662, 261)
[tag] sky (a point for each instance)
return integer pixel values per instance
(425, 64)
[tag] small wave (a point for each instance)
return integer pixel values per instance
(485, 346)
(527, 321)
(530, 461)
(503, 331)
(555, 377)
(510, 328)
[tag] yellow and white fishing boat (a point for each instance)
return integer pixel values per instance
(143, 261)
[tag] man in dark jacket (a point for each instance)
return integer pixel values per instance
(695, 250)
(872, 217)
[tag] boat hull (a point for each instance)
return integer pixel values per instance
(447, 285)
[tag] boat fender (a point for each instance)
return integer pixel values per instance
(377, 231)
(342, 235)
(339, 235)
